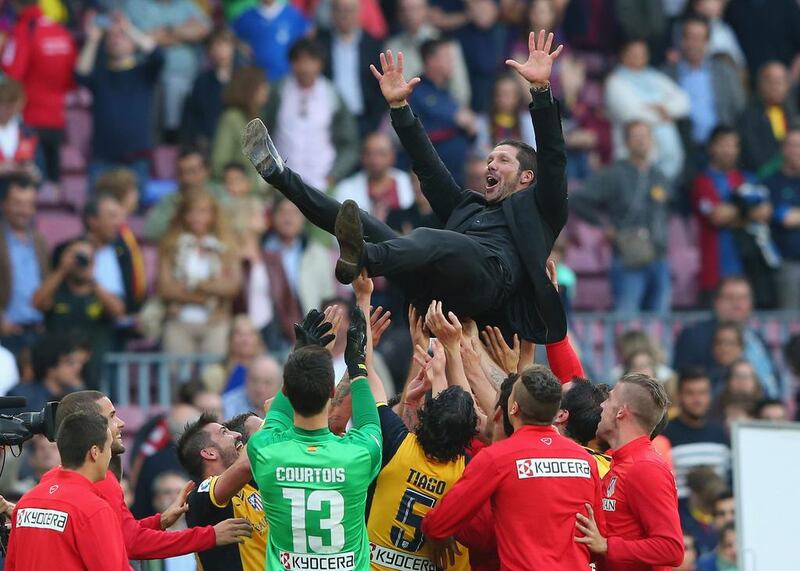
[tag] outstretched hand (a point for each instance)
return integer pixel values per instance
(396, 90)
(540, 61)
(313, 330)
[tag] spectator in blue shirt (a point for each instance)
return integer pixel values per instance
(270, 30)
(23, 263)
(784, 188)
(177, 26)
(123, 90)
(482, 40)
(449, 125)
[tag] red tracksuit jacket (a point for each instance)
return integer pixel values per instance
(65, 524)
(41, 55)
(640, 503)
(144, 538)
(536, 481)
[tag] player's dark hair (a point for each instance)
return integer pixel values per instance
(308, 379)
(76, 436)
(538, 394)
(80, 401)
(191, 442)
(308, 47)
(393, 401)
(447, 424)
(502, 401)
(15, 180)
(690, 375)
(429, 48)
(237, 424)
(526, 155)
(582, 401)
(648, 401)
(48, 351)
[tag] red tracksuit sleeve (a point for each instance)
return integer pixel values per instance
(152, 522)
(145, 543)
(478, 532)
(653, 500)
(16, 54)
(465, 499)
(564, 361)
(101, 529)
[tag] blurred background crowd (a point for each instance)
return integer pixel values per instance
(141, 253)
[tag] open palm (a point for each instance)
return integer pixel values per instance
(540, 61)
(396, 90)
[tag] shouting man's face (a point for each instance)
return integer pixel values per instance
(503, 174)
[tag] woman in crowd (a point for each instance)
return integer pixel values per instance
(242, 100)
(199, 276)
(244, 345)
(508, 116)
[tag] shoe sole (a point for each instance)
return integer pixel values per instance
(350, 236)
(258, 147)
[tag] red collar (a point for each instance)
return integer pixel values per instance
(537, 429)
(631, 448)
(60, 474)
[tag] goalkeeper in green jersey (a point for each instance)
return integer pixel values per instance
(313, 483)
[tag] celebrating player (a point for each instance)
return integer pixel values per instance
(314, 483)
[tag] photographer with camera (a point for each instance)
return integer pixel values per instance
(64, 522)
(72, 301)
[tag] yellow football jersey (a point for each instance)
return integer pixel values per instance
(407, 488)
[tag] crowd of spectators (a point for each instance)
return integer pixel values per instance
(672, 110)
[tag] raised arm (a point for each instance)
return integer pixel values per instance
(436, 182)
(551, 186)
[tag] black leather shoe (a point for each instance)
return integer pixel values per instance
(257, 146)
(350, 236)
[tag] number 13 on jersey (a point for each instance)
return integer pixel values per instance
(316, 520)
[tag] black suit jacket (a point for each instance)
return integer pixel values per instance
(535, 216)
(369, 49)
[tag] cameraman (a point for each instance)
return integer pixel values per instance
(72, 301)
(64, 522)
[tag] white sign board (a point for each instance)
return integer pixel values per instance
(766, 476)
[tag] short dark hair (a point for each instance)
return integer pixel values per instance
(237, 424)
(308, 379)
(538, 394)
(192, 441)
(502, 401)
(583, 401)
(691, 375)
(649, 403)
(631, 125)
(77, 434)
(764, 403)
(188, 151)
(447, 424)
(429, 48)
(80, 401)
(526, 155)
(727, 280)
(234, 167)
(48, 351)
(721, 131)
(190, 390)
(308, 47)
(697, 19)
(92, 206)
(15, 180)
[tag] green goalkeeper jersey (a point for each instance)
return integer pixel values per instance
(314, 486)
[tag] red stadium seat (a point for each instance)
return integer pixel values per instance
(58, 226)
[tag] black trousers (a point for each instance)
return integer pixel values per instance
(426, 264)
